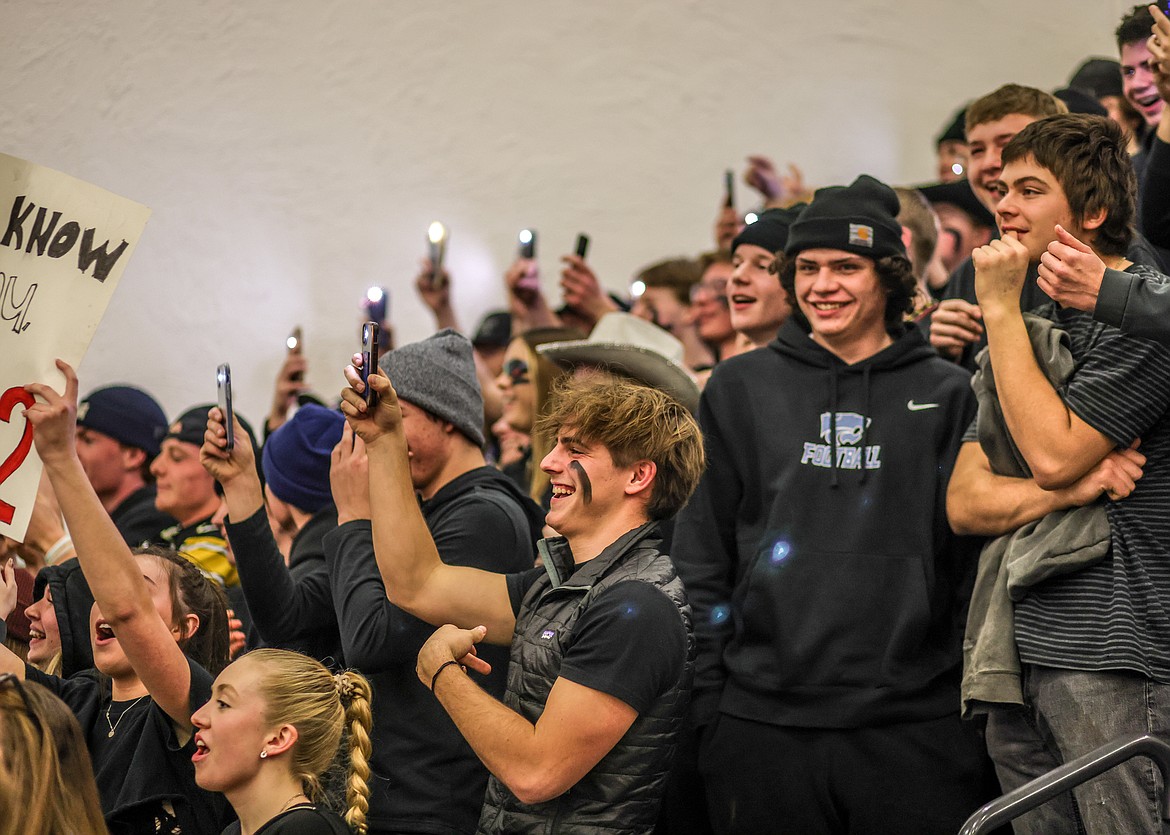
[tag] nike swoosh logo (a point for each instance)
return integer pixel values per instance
(918, 407)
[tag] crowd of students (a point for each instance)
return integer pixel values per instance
(846, 526)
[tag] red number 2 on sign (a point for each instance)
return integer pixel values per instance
(9, 400)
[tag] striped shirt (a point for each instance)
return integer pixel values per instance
(1114, 615)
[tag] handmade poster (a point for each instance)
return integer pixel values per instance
(64, 245)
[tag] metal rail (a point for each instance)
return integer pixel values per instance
(1030, 795)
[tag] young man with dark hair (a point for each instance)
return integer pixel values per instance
(1092, 641)
(956, 328)
(992, 121)
(1138, 84)
(827, 588)
(601, 646)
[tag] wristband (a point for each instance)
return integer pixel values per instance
(442, 667)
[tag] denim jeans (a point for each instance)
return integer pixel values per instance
(1070, 713)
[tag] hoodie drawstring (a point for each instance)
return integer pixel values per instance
(833, 482)
(864, 421)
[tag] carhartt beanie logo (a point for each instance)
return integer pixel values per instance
(437, 374)
(861, 218)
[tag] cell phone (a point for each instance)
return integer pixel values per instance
(377, 304)
(223, 384)
(729, 188)
(369, 359)
(527, 243)
(582, 246)
(294, 342)
(437, 241)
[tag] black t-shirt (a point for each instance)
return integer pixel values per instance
(299, 820)
(145, 778)
(629, 643)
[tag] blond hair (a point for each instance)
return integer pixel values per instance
(46, 775)
(634, 423)
(303, 693)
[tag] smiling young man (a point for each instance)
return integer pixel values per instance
(1092, 643)
(757, 302)
(601, 646)
(992, 120)
(827, 589)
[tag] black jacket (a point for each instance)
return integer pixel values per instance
(72, 601)
(827, 586)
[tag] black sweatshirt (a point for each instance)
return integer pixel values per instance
(290, 607)
(827, 588)
(425, 776)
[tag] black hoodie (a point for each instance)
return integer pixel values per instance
(425, 776)
(827, 587)
(72, 601)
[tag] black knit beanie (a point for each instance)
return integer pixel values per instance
(770, 229)
(861, 218)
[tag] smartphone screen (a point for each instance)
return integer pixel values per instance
(223, 384)
(582, 245)
(527, 243)
(369, 359)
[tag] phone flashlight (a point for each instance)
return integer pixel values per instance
(527, 239)
(437, 238)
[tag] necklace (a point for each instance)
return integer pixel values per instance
(114, 725)
(288, 802)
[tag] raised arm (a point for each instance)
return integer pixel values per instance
(282, 609)
(115, 578)
(416, 578)
(1058, 445)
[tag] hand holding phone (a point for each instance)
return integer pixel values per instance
(369, 360)
(223, 384)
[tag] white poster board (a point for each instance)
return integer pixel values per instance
(64, 245)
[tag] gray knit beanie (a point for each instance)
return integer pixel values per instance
(438, 375)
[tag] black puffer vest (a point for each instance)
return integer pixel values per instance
(621, 793)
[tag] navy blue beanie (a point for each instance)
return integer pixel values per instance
(127, 414)
(297, 457)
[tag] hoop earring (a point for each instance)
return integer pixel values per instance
(263, 755)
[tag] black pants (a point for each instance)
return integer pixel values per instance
(921, 777)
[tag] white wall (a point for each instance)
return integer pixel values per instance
(294, 152)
